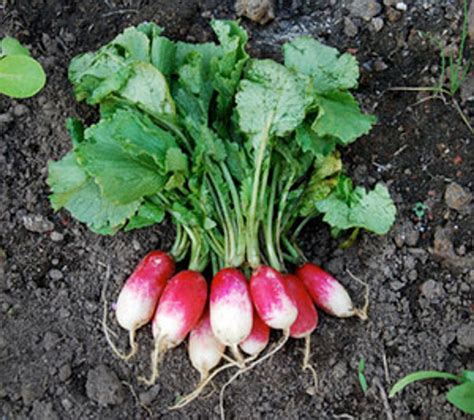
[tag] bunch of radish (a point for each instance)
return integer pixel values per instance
(239, 154)
(232, 312)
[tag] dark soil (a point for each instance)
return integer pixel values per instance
(54, 361)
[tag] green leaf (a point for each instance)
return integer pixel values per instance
(121, 154)
(340, 117)
(323, 181)
(10, 46)
(147, 88)
(418, 376)
(462, 396)
(75, 129)
(373, 211)
(74, 190)
(328, 69)
(467, 375)
(163, 54)
(135, 44)
(20, 76)
(311, 142)
(148, 214)
(271, 101)
(227, 69)
(362, 379)
(176, 160)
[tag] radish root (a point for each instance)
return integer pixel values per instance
(200, 387)
(113, 347)
(306, 363)
(286, 335)
(157, 355)
(238, 355)
(362, 313)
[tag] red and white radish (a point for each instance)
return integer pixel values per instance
(139, 296)
(258, 338)
(179, 310)
(204, 349)
(306, 321)
(272, 299)
(328, 293)
(231, 308)
(275, 306)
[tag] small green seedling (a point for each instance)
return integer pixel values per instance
(420, 209)
(461, 396)
(21, 76)
(362, 379)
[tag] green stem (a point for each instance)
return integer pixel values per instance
(268, 232)
(253, 252)
(230, 243)
(418, 376)
(281, 209)
(240, 246)
(194, 262)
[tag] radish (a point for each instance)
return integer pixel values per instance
(272, 299)
(275, 306)
(258, 338)
(306, 321)
(307, 318)
(139, 296)
(231, 308)
(205, 350)
(328, 293)
(179, 310)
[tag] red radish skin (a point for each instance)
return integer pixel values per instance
(258, 339)
(307, 319)
(204, 349)
(139, 296)
(272, 299)
(179, 310)
(327, 292)
(231, 307)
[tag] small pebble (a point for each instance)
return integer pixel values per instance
(56, 236)
(401, 6)
(55, 274)
(377, 23)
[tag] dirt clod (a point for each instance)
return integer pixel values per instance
(465, 335)
(104, 387)
(457, 197)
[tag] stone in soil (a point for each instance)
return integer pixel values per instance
(365, 9)
(465, 335)
(432, 290)
(261, 11)
(37, 223)
(350, 28)
(104, 387)
(456, 197)
(43, 411)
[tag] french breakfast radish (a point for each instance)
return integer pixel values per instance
(231, 308)
(204, 349)
(328, 293)
(181, 305)
(307, 318)
(272, 299)
(306, 321)
(139, 296)
(258, 338)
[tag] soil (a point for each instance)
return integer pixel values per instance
(54, 361)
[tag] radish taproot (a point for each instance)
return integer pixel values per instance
(231, 308)
(181, 305)
(258, 338)
(204, 349)
(139, 296)
(327, 293)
